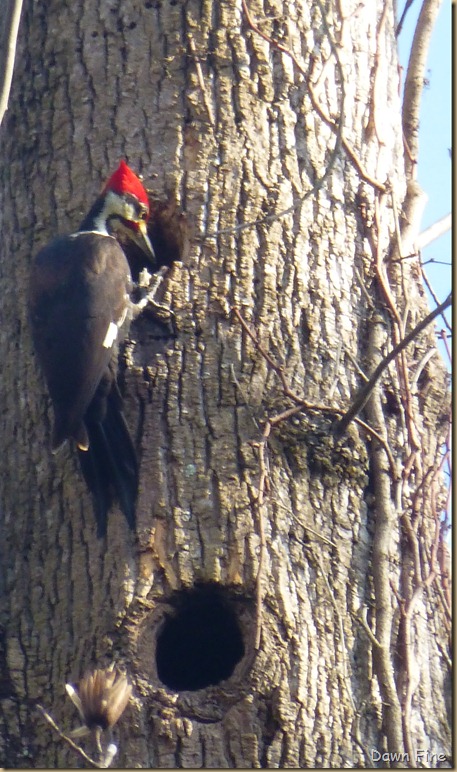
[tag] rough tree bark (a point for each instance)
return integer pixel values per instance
(312, 566)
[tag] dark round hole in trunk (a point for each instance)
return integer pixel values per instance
(201, 642)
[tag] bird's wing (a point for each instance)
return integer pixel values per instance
(78, 300)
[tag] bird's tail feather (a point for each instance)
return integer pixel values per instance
(110, 466)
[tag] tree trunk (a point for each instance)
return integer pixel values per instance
(283, 602)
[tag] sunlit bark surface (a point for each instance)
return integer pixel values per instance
(292, 223)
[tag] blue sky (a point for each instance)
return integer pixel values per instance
(434, 169)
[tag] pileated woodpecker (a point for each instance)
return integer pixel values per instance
(79, 299)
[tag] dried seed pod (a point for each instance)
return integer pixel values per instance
(101, 697)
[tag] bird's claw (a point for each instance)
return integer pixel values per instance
(151, 283)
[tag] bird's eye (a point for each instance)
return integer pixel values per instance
(143, 214)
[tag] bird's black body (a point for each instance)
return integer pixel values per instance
(74, 281)
(79, 299)
(79, 287)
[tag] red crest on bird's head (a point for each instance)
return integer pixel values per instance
(125, 181)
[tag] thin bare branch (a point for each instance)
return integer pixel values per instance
(439, 228)
(362, 618)
(408, 5)
(260, 507)
(432, 293)
(344, 647)
(68, 740)
(201, 80)
(386, 518)
(365, 392)
(302, 404)
(13, 14)
(414, 81)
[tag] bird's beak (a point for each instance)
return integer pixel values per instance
(137, 233)
(142, 240)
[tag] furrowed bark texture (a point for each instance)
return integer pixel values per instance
(221, 122)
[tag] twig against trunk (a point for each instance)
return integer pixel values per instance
(68, 740)
(365, 392)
